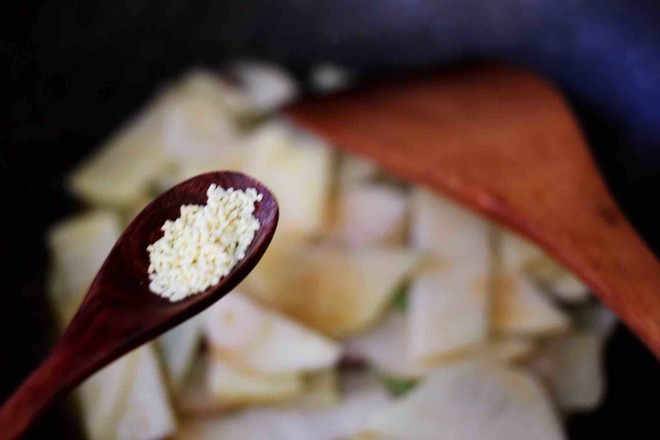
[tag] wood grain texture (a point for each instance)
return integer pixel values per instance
(120, 313)
(503, 142)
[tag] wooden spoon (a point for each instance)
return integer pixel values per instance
(119, 312)
(504, 143)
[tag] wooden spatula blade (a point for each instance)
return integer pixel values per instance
(504, 143)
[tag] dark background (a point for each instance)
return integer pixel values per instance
(72, 72)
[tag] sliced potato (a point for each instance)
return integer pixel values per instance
(194, 398)
(259, 339)
(277, 269)
(385, 347)
(321, 391)
(197, 127)
(298, 172)
(146, 412)
(315, 391)
(598, 319)
(236, 386)
(512, 349)
(200, 82)
(129, 214)
(99, 396)
(266, 86)
(520, 308)
(370, 215)
(471, 400)
(201, 129)
(432, 264)
(79, 245)
(326, 78)
(567, 288)
(361, 399)
(335, 291)
(233, 159)
(573, 367)
(127, 400)
(358, 381)
(290, 423)
(520, 255)
(369, 436)
(179, 347)
(448, 313)
(124, 167)
(445, 229)
(355, 171)
(215, 385)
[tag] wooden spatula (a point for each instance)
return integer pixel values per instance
(503, 142)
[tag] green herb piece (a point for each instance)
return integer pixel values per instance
(400, 298)
(398, 386)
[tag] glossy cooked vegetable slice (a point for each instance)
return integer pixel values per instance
(277, 268)
(129, 213)
(146, 413)
(198, 127)
(78, 246)
(127, 400)
(267, 87)
(523, 257)
(572, 365)
(512, 349)
(445, 229)
(231, 99)
(298, 170)
(248, 334)
(100, 395)
(566, 287)
(321, 390)
(471, 400)
(517, 253)
(202, 130)
(291, 423)
(124, 167)
(520, 308)
(385, 347)
(326, 78)
(215, 385)
(448, 312)
(599, 319)
(232, 159)
(335, 291)
(371, 215)
(355, 171)
(244, 389)
(178, 348)
(236, 386)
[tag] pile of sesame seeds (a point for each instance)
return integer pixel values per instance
(204, 244)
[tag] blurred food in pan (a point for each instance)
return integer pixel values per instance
(381, 310)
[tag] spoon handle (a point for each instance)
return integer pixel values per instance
(92, 340)
(56, 375)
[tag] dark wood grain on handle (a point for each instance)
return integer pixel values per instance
(56, 376)
(503, 142)
(119, 312)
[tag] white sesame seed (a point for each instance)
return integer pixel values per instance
(204, 244)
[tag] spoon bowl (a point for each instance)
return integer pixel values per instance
(119, 312)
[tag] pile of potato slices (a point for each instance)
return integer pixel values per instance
(381, 310)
